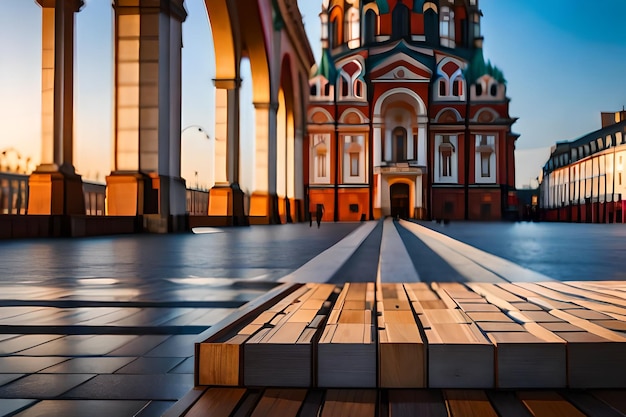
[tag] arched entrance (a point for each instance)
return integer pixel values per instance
(399, 194)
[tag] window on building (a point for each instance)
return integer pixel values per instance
(401, 23)
(327, 89)
(352, 28)
(358, 88)
(314, 90)
(415, 147)
(345, 89)
(446, 27)
(457, 87)
(479, 89)
(619, 176)
(371, 27)
(443, 91)
(445, 155)
(399, 144)
(485, 166)
(494, 90)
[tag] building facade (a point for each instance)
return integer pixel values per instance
(405, 118)
(583, 180)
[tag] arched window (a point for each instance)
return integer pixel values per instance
(327, 89)
(446, 27)
(314, 90)
(479, 89)
(443, 91)
(494, 89)
(352, 27)
(335, 28)
(400, 22)
(399, 147)
(358, 88)
(457, 87)
(370, 30)
(345, 88)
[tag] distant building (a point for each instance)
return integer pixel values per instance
(393, 128)
(583, 180)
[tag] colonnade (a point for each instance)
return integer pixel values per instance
(146, 171)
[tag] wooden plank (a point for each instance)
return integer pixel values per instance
(526, 306)
(459, 357)
(349, 403)
(616, 325)
(542, 316)
(594, 362)
(548, 404)
(400, 346)
(586, 314)
(489, 316)
(183, 405)
(525, 360)
(216, 402)
(221, 366)
(500, 327)
(507, 404)
(412, 403)
(346, 352)
(469, 403)
(561, 326)
(280, 402)
(472, 307)
(444, 315)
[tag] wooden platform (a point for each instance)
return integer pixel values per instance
(394, 347)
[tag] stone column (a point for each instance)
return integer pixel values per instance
(146, 178)
(55, 188)
(263, 201)
(226, 197)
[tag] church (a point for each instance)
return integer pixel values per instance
(405, 117)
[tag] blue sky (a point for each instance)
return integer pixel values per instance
(564, 62)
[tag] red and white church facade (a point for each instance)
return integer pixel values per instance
(393, 129)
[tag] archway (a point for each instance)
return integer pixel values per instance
(399, 195)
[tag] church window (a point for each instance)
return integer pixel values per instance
(327, 89)
(443, 91)
(485, 170)
(345, 89)
(494, 90)
(371, 26)
(479, 89)
(314, 90)
(446, 151)
(446, 27)
(401, 22)
(414, 147)
(457, 87)
(358, 88)
(352, 28)
(399, 144)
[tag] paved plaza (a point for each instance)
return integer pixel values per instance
(106, 326)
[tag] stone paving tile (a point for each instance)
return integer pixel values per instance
(9, 406)
(27, 365)
(155, 408)
(181, 346)
(169, 387)
(139, 346)
(185, 367)
(150, 366)
(43, 385)
(24, 342)
(6, 378)
(80, 345)
(83, 408)
(103, 365)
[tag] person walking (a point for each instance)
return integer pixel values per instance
(319, 212)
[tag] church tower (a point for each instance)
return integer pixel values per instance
(405, 118)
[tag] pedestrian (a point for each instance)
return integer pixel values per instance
(318, 214)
